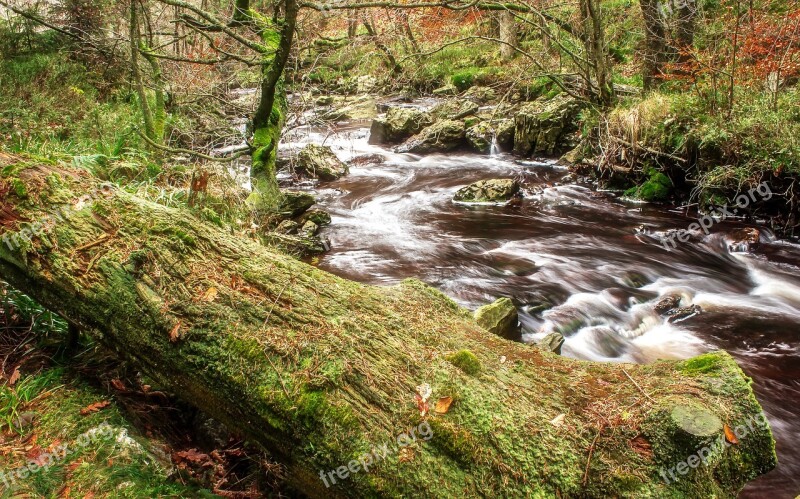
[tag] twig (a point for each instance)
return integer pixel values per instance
(275, 302)
(637, 386)
(280, 378)
(189, 151)
(591, 451)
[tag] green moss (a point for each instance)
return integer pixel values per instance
(466, 361)
(702, 364)
(657, 188)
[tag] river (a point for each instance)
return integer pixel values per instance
(576, 260)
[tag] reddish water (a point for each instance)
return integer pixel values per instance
(579, 251)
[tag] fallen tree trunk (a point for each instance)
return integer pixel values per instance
(323, 372)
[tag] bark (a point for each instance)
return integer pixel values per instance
(655, 44)
(508, 35)
(391, 61)
(320, 370)
(138, 81)
(241, 13)
(596, 51)
(269, 117)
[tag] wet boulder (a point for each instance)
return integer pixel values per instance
(667, 303)
(743, 240)
(500, 318)
(481, 95)
(287, 227)
(295, 203)
(398, 124)
(454, 109)
(488, 191)
(505, 134)
(479, 137)
(546, 127)
(442, 136)
(447, 90)
(320, 162)
(360, 108)
(319, 217)
(552, 343)
(368, 159)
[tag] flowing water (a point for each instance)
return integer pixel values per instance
(574, 260)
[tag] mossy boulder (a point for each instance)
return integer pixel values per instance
(447, 90)
(319, 217)
(481, 95)
(398, 124)
(295, 203)
(479, 137)
(500, 318)
(488, 191)
(361, 108)
(454, 109)
(656, 189)
(320, 162)
(505, 134)
(552, 343)
(466, 361)
(546, 126)
(442, 136)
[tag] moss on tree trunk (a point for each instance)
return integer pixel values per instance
(320, 370)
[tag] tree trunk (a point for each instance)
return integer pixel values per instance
(269, 117)
(508, 35)
(655, 44)
(597, 53)
(323, 372)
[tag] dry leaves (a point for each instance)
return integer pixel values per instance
(210, 295)
(730, 436)
(558, 420)
(175, 333)
(443, 405)
(96, 407)
(14, 377)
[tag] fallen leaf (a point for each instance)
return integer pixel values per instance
(96, 407)
(175, 333)
(192, 456)
(422, 405)
(424, 390)
(443, 405)
(119, 385)
(34, 452)
(502, 359)
(210, 295)
(730, 436)
(406, 455)
(14, 377)
(558, 420)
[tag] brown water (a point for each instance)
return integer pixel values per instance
(579, 251)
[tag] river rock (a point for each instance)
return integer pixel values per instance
(319, 217)
(454, 109)
(546, 127)
(398, 124)
(499, 317)
(505, 134)
(552, 343)
(368, 159)
(667, 303)
(743, 240)
(295, 203)
(481, 95)
(442, 136)
(287, 227)
(446, 91)
(320, 162)
(324, 100)
(683, 313)
(479, 137)
(361, 108)
(488, 191)
(309, 229)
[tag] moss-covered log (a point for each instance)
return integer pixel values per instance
(321, 370)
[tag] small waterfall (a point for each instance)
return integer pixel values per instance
(494, 148)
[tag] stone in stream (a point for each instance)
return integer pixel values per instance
(455, 109)
(545, 127)
(743, 240)
(309, 229)
(295, 203)
(319, 217)
(287, 227)
(552, 343)
(398, 124)
(505, 134)
(442, 136)
(680, 314)
(479, 137)
(499, 317)
(667, 303)
(320, 162)
(361, 108)
(446, 91)
(488, 191)
(481, 95)
(368, 159)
